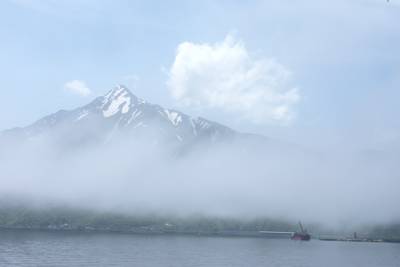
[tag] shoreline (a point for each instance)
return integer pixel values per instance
(361, 240)
(233, 234)
(245, 234)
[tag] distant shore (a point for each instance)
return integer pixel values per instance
(254, 234)
(244, 234)
(362, 240)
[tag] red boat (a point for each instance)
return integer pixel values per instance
(302, 235)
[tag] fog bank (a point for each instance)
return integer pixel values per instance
(227, 180)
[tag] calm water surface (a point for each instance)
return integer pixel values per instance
(24, 248)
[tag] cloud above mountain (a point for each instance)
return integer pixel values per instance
(225, 77)
(78, 87)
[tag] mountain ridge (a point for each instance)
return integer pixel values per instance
(119, 110)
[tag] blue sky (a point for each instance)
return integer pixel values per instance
(343, 58)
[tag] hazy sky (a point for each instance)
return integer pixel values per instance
(323, 72)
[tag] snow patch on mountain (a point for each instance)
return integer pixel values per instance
(193, 125)
(174, 117)
(204, 124)
(83, 114)
(135, 114)
(117, 100)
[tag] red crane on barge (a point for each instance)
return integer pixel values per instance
(303, 235)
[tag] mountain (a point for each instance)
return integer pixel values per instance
(121, 112)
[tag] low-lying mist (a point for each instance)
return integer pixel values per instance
(137, 176)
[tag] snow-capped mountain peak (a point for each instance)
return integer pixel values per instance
(121, 111)
(119, 100)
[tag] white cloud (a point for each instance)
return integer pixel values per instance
(225, 77)
(78, 87)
